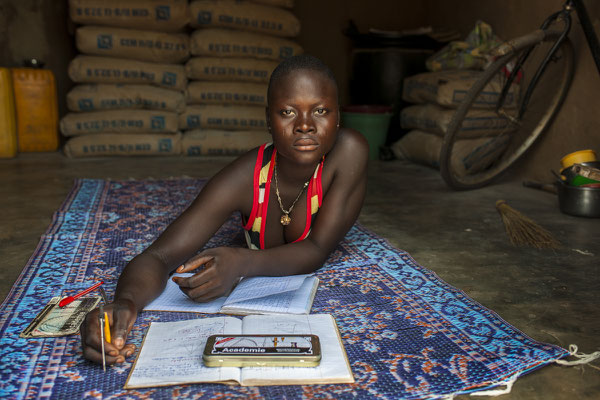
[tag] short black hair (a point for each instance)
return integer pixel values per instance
(300, 62)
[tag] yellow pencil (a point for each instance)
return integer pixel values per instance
(106, 328)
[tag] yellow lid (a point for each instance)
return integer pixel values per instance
(578, 157)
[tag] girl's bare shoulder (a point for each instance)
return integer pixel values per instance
(241, 170)
(351, 147)
(235, 181)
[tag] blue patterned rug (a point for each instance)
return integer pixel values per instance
(407, 333)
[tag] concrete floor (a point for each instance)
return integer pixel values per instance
(550, 295)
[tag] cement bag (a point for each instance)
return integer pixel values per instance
(159, 47)
(119, 121)
(229, 43)
(124, 144)
(449, 89)
(244, 93)
(223, 117)
(435, 119)
(101, 96)
(245, 16)
(275, 3)
(91, 69)
(229, 69)
(154, 15)
(201, 142)
(469, 155)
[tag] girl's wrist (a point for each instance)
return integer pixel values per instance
(245, 267)
(126, 300)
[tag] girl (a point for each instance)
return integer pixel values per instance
(298, 197)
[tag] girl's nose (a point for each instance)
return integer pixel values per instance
(304, 124)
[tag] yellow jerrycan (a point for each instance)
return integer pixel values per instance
(8, 127)
(36, 107)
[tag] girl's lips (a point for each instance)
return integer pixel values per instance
(305, 144)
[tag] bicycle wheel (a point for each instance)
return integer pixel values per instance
(469, 163)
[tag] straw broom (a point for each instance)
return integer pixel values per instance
(522, 231)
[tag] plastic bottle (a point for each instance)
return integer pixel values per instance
(36, 107)
(8, 128)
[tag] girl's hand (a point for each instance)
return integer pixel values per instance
(121, 316)
(222, 270)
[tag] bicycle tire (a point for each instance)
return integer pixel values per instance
(524, 134)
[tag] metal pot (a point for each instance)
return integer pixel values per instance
(579, 201)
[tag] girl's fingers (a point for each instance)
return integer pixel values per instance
(194, 262)
(194, 292)
(208, 295)
(91, 340)
(122, 322)
(198, 285)
(96, 356)
(92, 350)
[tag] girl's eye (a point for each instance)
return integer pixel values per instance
(320, 111)
(287, 112)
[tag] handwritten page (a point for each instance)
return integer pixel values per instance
(334, 366)
(172, 353)
(173, 299)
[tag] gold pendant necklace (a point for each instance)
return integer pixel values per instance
(285, 218)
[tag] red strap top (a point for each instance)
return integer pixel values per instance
(263, 173)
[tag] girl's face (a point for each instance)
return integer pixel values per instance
(303, 116)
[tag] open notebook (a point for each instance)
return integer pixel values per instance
(256, 295)
(171, 353)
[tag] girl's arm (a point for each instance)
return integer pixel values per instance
(145, 276)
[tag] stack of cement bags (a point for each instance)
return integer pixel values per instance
(130, 77)
(483, 134)
(235, 46)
